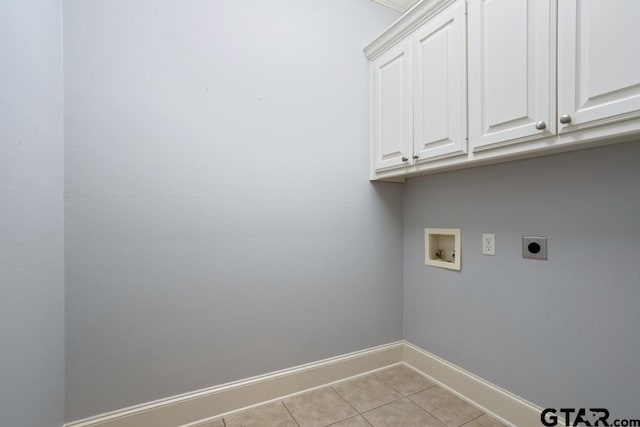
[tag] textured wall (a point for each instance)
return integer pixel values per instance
(31, 218)
(560, 333)
(219, 220)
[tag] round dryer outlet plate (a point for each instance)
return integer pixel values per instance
(534, 247)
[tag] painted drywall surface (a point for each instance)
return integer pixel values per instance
(560, 333)
(31, 218)
(219, 219)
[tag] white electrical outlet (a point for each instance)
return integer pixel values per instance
(489, 244)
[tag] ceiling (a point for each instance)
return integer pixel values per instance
(400, 5)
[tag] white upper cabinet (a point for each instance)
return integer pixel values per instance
(440, 86)
(598, 62)
(458, 83)
(419, 94)
(511, 71)
(392, 109)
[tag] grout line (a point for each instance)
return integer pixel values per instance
(392, 389)
(342, 397)
(434, 417)
(410, 394)
(366, 420)
(389, 385)
(420, 406)
(356, 415)
(380, 406)
(450, 390)
(424, 389)
(361, 414)
(292, 417)
(473, 419)
(370, 409)
(376, 407)
(402, 396)
(442, 422)
(289, 396)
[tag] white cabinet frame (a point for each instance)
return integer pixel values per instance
(532, 65)
(511, 71)
(440, 92)
(598, 62)
(392, 108)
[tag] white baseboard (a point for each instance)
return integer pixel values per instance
(495, 401)
(190, 409)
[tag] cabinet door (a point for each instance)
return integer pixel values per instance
(598, 61)
(392, 114)
(511, 71)
(440, 114)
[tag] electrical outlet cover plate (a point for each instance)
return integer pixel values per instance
(534, 247)
(488, 244)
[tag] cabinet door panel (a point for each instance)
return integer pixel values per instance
(598, 63)
(440, 93)
(392, 108)
(511, 71)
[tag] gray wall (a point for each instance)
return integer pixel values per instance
(219, 220)
(560, 333)
(219, 226)
(31, 218)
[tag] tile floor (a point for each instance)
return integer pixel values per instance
(394, 397)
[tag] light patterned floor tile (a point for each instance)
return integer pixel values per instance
(402, 413)
(484, 421)
(272, 414)
(356, 421)
(366, 393)
(319, 408)
(448, 408)
(394, 397)
(404, 380)
(216, 423)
